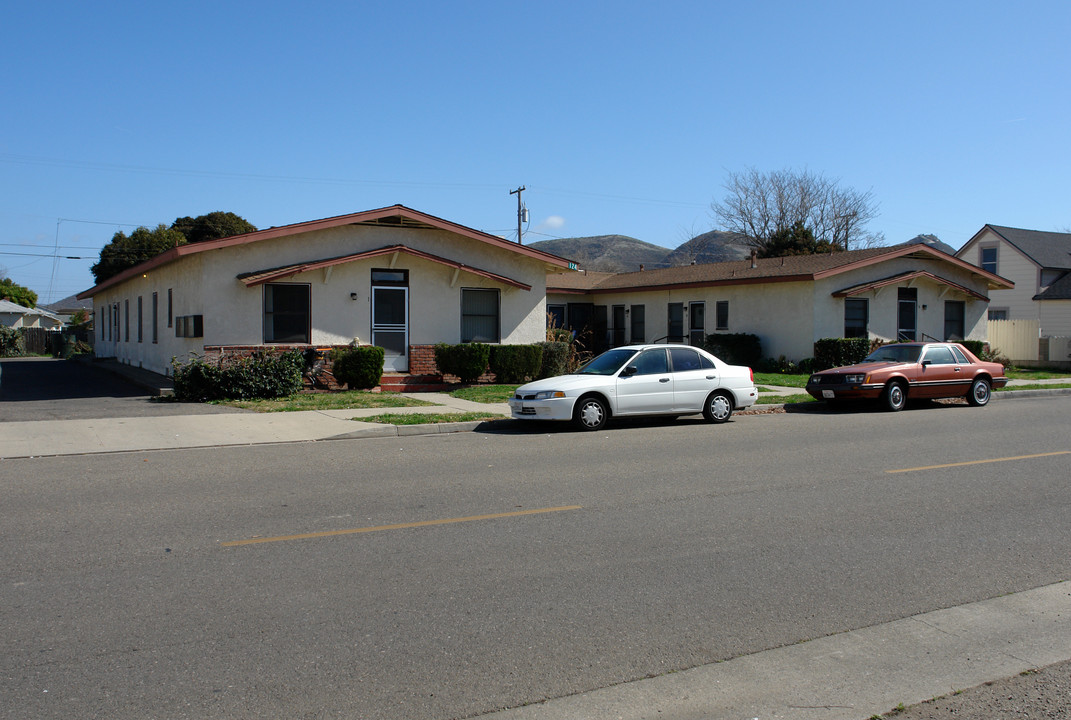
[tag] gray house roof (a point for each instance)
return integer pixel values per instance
(1047, 249)
(1059, 290)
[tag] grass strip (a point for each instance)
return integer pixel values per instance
(343, 400)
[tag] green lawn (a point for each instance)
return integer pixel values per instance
(486, 393)
(1030, 374)
(781, 380)
(342, 400)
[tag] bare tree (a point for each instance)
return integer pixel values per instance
(759, 205)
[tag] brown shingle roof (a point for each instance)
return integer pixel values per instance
(786, 269)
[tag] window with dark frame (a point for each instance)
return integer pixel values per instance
(141, 315)
(479, 316)
(126, 319)
(721, 315)
(989, 259)
(170, 309)
(856, 317)
(155, 318)
(555, 316)
(287, 313)
(617, 314)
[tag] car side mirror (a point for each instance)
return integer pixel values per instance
(629, 371)
(927, 362)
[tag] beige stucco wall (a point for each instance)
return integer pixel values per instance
(206, 284)
(788, 317)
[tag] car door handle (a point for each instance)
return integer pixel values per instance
(712, 377)
(663, 379)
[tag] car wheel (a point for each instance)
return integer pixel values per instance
(895, 396)
(980, 393)
(718, 408)
(590, 413)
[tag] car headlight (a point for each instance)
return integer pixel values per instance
(854, 379)
(548, 394)
(814, 380)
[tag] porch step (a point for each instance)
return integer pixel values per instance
(412, 383)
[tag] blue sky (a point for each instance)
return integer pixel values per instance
(620, 117)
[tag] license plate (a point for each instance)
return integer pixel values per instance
(827, 394)
(527, 411)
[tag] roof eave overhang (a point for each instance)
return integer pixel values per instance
(261, 277)
(996, 282)
(723, 282)
(907, 277)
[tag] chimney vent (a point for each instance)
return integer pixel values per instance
(754, 258)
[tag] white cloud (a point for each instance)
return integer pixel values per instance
(554, 222)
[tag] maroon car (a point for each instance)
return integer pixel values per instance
(894, 373)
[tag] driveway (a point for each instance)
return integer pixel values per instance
(48, 389)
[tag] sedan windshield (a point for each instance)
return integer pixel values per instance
(895, 353)
(608, 363)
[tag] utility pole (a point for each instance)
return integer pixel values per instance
(522, 211)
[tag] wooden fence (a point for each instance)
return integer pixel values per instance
(1015, 339)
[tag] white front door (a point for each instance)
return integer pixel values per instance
(390, 326)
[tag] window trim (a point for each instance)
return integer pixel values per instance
(265, 314)
(497, 316)
(996, 258)
(721, 308)
(866, 315)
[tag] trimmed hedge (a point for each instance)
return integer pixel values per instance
(735, 348)
(835, 352)
(262, 375)
(468, 361)
(359, 368)
(555, 359)
(516, 363)
(11, 344)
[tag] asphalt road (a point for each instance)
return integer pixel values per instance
(49, 389)
(650, 548)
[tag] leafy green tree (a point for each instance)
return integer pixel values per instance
(212, 226)
(125, 251)
(795, 240)
(10, 290)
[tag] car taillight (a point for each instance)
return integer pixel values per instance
(752, 374)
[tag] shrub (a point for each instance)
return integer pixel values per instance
(261, 375)
(735, 348)
(11, 344)
(834, 352)
(977, 347)
(467, 361)
(555, 360)
(515, 363)
(781, 365)
(360, 368)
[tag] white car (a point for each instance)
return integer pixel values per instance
(639, 380)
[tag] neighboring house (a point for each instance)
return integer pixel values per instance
(909, 291)
(1039, 263)
(17, 316)
(393, 277)
(68, 306)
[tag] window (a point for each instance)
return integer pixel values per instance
(189, 326)
(939, 355)
(997, 314)
(617, 313)
(721, 315)
(141, 315)
(698, 325)
(684, 359)
(960, 357)
(676, 322)
(989, 259)
(955, 312)
(100, 326)
(556, 316)
(479, 316)
(126, 319)
(907, 314)
(155, 324)
(651, 362)
(286, 313)
(856, 317)
(638, 331)
(170, 308)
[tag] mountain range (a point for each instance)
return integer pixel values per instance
(621, 253)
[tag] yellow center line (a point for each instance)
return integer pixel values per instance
(398, 526)
(980, 462)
